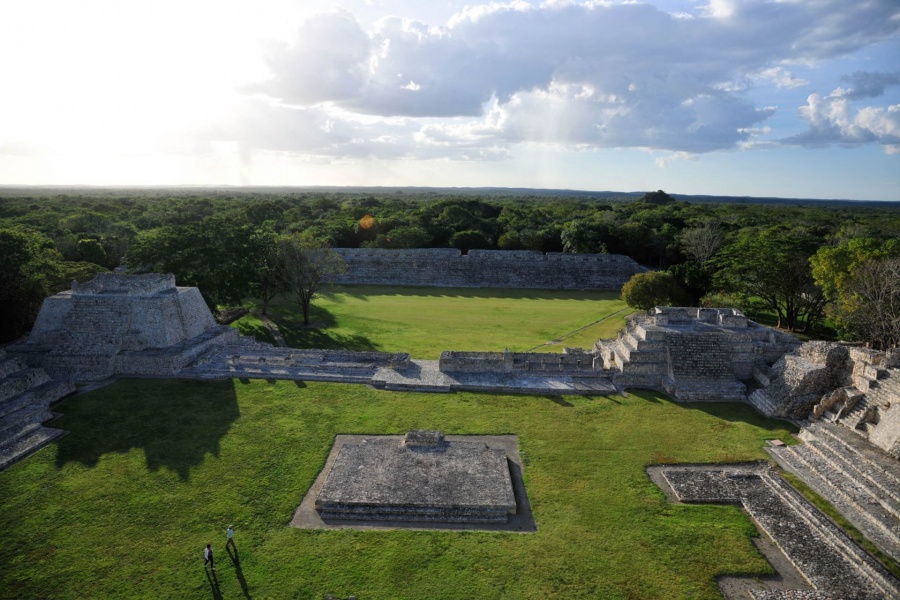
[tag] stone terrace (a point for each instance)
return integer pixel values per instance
(859, 479)
(693, 354)
(25, 398)
(831, 562)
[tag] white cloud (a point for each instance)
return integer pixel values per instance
(832, 119)
(598, 74)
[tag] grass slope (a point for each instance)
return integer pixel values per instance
(153, 470)
(425, 321)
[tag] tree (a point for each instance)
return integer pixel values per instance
(266, 281)
(469, 240)
(872, 312)
(306, 265)
(214, 255)
(581, 237)
(702, 242)
(860, 280)
(773, 265)
(30, 264)
(653, 288)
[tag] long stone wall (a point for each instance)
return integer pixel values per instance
(448, 267)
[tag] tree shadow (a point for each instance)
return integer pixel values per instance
(256, 330)
(176, 423)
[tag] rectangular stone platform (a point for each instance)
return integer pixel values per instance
(386, 479)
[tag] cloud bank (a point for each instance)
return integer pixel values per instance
(575, 74)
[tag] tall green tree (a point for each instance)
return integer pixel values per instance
(307, 265)
(214, 255)
(29, 265)
(861, 281)
(653, 288)
(772, 265)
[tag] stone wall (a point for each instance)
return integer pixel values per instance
(535, 363)
(448, 267)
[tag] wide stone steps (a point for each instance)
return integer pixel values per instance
(705, 390)
(878, 468)
(863, 501)
(30, 442)
(20, 381)
(824, 552)
(762, 402)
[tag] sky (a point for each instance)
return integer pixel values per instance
(787, 98)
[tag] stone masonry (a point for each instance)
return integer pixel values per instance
(832, 564)
(420, 477)
(448, 267)
(121, 325)
(693, 354)
(25, 398)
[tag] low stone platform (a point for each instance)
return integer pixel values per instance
(421, 481)
(419, 478)
(832, 564)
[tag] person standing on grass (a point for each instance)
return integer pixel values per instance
(229, 533)
(208, 555)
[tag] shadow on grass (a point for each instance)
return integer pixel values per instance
(726, 411)
(176, 423)
(238, 571)
(257, 330)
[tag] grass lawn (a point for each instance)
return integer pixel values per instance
(152, 470)
(425, 321)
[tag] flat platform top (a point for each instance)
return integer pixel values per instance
(381, 471)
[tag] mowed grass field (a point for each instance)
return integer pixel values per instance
(152, 470)
(425, 321)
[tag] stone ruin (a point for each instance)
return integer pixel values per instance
(693, 354)
(845, 397)
(125, 325)
(420, 477)
(25, 398)
(448, 267)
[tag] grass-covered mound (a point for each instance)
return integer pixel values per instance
(425, 321)
(151, 471)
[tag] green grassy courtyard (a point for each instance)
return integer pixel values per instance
(151, 471)
(425, 321)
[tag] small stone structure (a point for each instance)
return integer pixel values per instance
(448, 267)
(422, 477)
(25, 398)
(693, 354)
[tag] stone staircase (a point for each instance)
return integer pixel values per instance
(25, 398)
(830, 562)
(861, 481)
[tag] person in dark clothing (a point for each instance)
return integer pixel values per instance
(208, 555)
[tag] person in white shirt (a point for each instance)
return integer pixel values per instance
(230, 535)
(208, 555)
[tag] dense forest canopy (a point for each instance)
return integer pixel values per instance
(750, 254)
